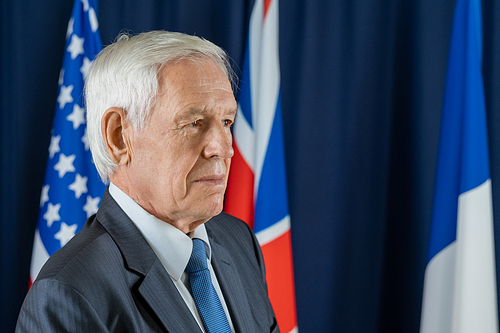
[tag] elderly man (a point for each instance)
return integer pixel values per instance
(159, 255)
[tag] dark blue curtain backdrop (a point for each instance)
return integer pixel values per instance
(362, 91)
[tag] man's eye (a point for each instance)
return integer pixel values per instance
(227, 122)
(195, 123)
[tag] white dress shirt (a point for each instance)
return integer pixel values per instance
(173, 248)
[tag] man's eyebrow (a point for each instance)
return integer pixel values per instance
(193, 112)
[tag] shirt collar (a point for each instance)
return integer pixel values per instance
(172, 246)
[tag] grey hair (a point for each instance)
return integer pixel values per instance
(125, 75)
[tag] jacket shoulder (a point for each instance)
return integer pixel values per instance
(88, 262)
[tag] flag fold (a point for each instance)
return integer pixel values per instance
(460, 292)
(257, 191)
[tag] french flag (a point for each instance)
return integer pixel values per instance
(257, 191)
(460, 292)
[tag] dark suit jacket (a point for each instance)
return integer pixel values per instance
(107, 278)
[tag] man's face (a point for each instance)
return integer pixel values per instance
(180, 162)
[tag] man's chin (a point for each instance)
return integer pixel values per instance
(206, 208)
(215, 206)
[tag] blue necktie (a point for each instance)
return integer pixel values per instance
(207, 302)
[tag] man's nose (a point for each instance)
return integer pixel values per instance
(219, 142)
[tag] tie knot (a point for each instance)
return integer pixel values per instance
(198, 260)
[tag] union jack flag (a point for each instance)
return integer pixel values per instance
(257, 191)
(72, 190)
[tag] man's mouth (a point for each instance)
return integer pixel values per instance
(212, 180)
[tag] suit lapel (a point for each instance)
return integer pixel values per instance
(156, 288)
(232, 288)
(162, 296)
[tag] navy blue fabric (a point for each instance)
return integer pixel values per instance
(362, 93)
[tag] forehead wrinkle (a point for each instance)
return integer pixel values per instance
(174, 83)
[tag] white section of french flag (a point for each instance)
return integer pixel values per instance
(460, 293)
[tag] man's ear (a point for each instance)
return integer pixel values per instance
(116, 131)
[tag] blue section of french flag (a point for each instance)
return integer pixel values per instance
(460, 278)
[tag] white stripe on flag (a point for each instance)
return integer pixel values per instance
(474, 304)
(276, 230)
(38, 257)
(265, 78)
(460, 283)
(244, 138)
(438, 291)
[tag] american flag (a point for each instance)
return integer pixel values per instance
(72, 190)
(257, 191)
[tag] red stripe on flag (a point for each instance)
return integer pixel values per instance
(279, 272)
(267, 3)
(239, 192)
